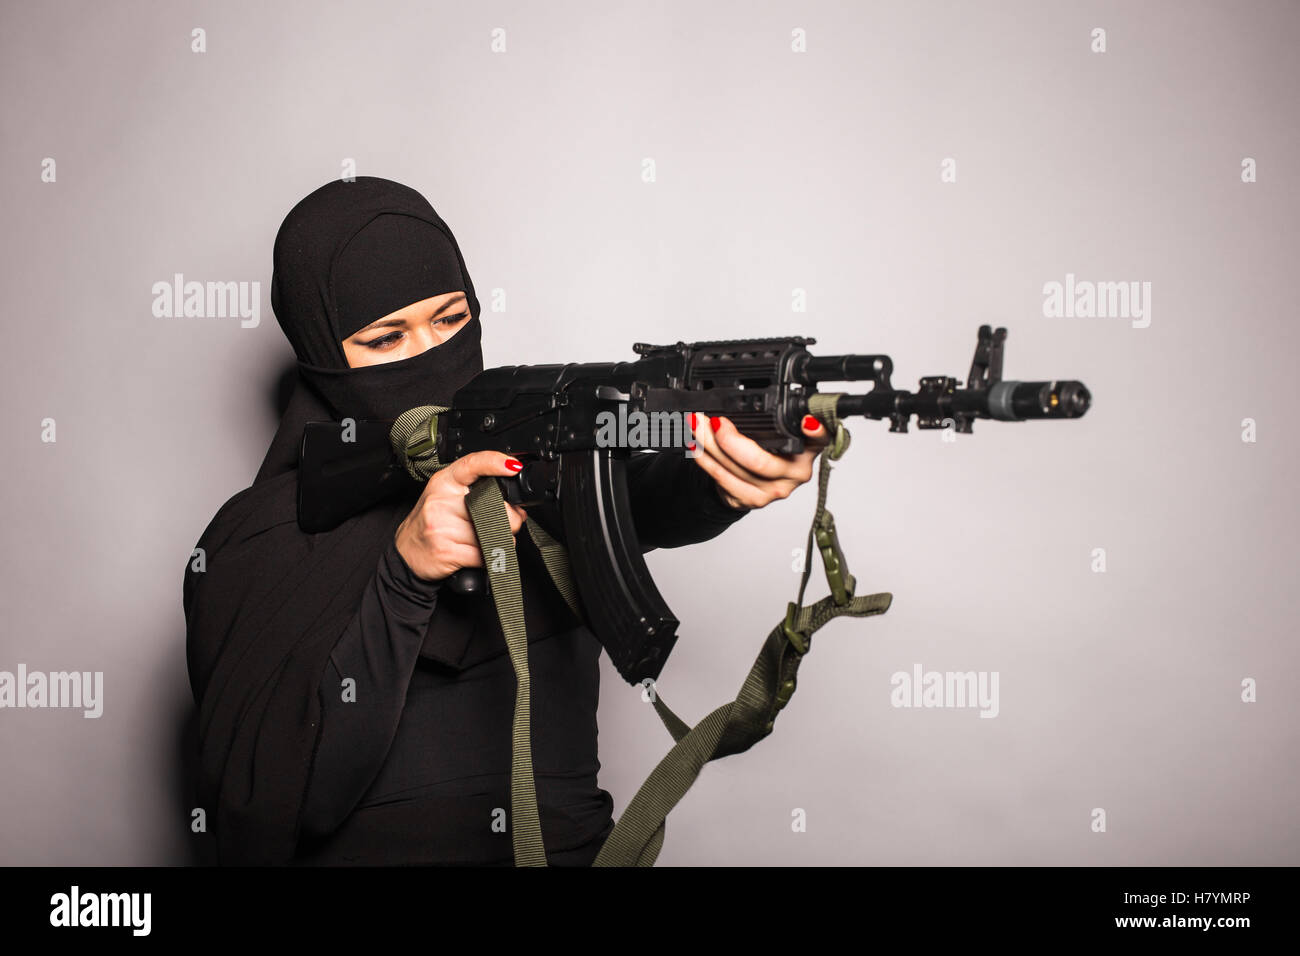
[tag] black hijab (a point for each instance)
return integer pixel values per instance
(346, 255)
(264, 614)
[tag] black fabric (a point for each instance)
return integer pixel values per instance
(427, 738)
(272, 603)
(429, 731)
(392, 262)
(318, 264)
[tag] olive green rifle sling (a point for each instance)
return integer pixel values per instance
(732, 728)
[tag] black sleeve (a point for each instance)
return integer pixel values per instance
(378, 651)
(674, 502)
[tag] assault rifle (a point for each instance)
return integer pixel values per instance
(556, 419)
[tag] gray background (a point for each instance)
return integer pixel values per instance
(776, 171)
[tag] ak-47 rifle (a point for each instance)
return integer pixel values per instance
(556, 419)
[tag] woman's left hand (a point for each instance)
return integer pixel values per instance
(745, 475)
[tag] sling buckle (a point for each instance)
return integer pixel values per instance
(797, 638)
(841, 582)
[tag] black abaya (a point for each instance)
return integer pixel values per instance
(416, 769)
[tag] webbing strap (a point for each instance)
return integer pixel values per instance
(414, 437)
(556, 560)
(488, 511)
(732, 728)
(737, 725)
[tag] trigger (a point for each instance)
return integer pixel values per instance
(511, 489)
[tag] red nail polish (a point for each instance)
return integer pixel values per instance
(514, 464)
(692, 421)
(810, 423)
(716, 423)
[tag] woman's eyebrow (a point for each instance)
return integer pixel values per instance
(450, 304)
(445, 307)
(381, 324)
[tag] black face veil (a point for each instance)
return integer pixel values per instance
(266, 603)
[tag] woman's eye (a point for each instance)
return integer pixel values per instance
(452, 319)
(383, 341)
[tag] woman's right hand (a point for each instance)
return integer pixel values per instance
(437, 538)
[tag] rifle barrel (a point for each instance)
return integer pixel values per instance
(1010, 401)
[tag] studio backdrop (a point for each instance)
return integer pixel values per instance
(1113, 183)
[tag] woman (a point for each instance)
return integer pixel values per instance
(351, 709)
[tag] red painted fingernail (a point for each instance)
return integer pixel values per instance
(716, 423)
(811, 423)
(514, 464)
(692, 421)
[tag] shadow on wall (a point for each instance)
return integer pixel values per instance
(202, 850)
